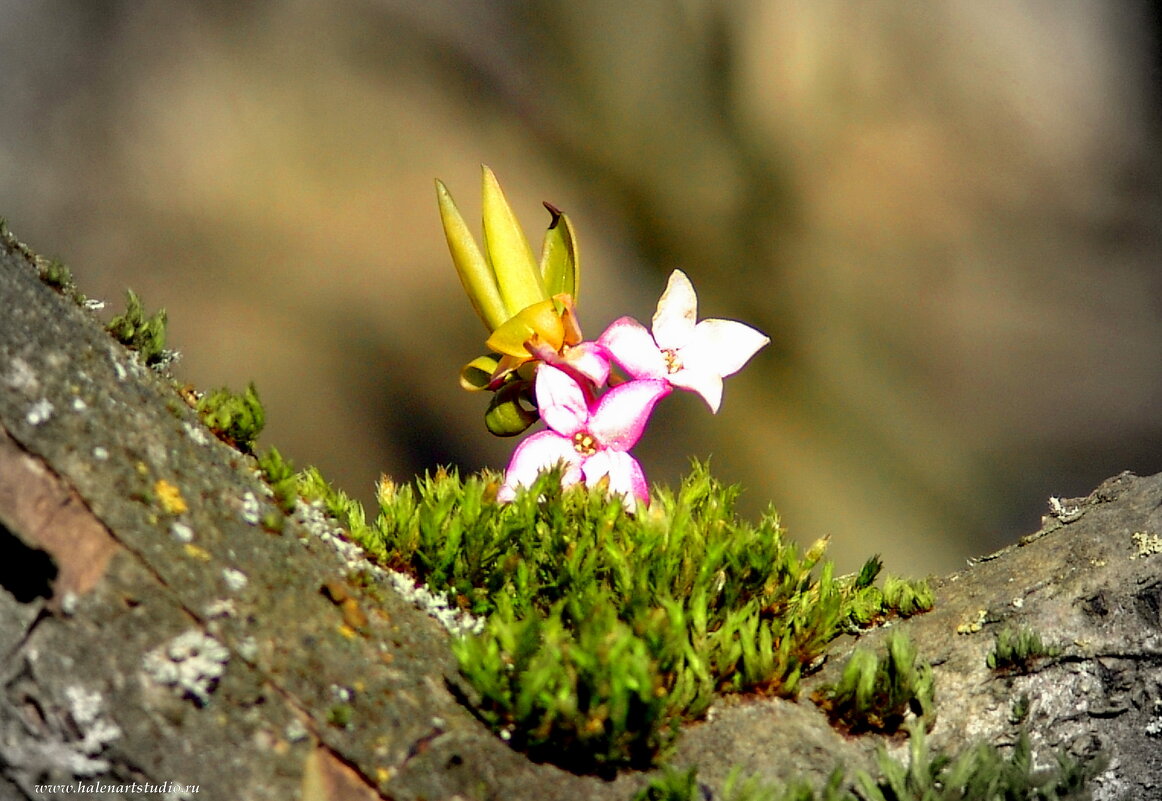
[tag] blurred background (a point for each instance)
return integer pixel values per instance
(946, 215)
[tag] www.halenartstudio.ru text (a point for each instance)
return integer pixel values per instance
(128, 787)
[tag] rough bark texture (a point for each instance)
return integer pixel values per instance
(143, 643)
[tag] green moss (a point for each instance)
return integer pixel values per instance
(236, 419)
(674, 785)
(870, 605)
(1019, 712)
(1017, 649)
(273, 521)
(671, 785)
(59, 277)
(12, 243)
(876, 693)
(139, 332)
(980, 772)
(340, 715)
(907, 597)
(280, 475)
(607, 630)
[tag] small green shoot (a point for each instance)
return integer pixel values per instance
(281, 476)
(875, 693)
(979, 773)
(340, 715)
(1019, 712)
(907, 597)
(59, 277)
(1017, 649)
(236, 419)
(674, 785)
(871, 605)
(141, 333)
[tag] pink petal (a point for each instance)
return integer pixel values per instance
(625, 476)
(590, 360)
(631, 346)
(535, 455)
(677, 311)
(722, 346)
(561, 401)
(706, 383)
(622, 413)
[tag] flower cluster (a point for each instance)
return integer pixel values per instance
(540, 367)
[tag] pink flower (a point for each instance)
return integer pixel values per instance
(586, 361)
(685, 353)
(590, 439)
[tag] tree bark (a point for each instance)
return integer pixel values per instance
(156, 637)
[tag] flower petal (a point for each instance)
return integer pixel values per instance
(631, 346)
(535, 455)
(561, 401)
(621, 415)
(723, 346)
(625, 476)
(706, 383)
(677, 311)
(590, 360)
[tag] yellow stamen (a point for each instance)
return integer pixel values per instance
(584, 443)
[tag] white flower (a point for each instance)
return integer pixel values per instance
(682, 351)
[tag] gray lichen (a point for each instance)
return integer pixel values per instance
(62, 740)
(191, 663)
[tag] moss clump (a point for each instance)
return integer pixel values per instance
(876, 693)
(282, 478)
(674, 785)
(141, 333)
(56, 275)
(671, 785)
(907, 597)
(1017, 649)
(606, 630)
(898, 597)
(236, 419)
(978, 773)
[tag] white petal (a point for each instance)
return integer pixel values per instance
(625, 476)
(535, 455)
(722, 346)
(706, 383)
(561, 401)
(677, 311)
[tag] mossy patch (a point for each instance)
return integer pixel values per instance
(876, 692)
(141, 332)
(1018, 649)
(978, 773)
(235, 418)
(607, 630)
